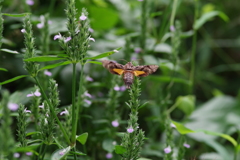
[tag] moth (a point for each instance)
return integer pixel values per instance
(129, 70)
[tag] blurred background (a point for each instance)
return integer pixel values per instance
(212, 101)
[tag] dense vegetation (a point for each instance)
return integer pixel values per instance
(57, 101)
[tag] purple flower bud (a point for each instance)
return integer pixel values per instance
(109, 155)
(186, 145)
(41, 106)
(92, 39)
(30, 2)
(172, 125)
(64, 112)
(89, 79)
(115, 123)
(87, 101)
(40, 25)
(167, 150)
(130, 130)
(82, 17)
(46, 72)
(91, 30)
(23, 30)
(16, 155)
(67, 39)
(116, 88)
(137, 50)
(27, 111)
(172, 28)
(28, 153)
(58, 36)
(87, 94)
(13, 106)
(37, 93)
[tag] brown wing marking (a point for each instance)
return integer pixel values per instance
(118, 71)
(147, 69)
(111, 66)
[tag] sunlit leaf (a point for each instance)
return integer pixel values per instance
(13, 79)
(103, 54)
(60, 153)
(15, 15)
(55, 65)
(43, 59)
(9, 51)
(182, 129)
(32, 133)
(225, 136)
(95, 62)
(3, 69)
(208, 16)
(82, 138)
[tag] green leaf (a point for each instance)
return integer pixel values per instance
(186, 103)
(182, 129)
(32, 133)
(225, 136)
(43, 59)
(95, 62)
(217, 146)
(30, 148)
(15, 15)
(13, 79)
(60, 153)
(238, 148)
(208, 16)
(79, 153)
(82, 138)
(120, 149)
(143, 105)
(55, 65)
(108, 145)
(108, 16)
(3, 69)
(103, 54)
(9, 51)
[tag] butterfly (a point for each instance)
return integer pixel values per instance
(129, 70)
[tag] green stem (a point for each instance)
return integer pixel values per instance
(44, 151)
(52, 110)
(74, 113)
(143, 28)
(173, 13)
(194, 41)
(40, 152)
(171, 108)
(79, 95)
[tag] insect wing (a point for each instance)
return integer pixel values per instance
(139, 73)
(117, 71)
(113, 67)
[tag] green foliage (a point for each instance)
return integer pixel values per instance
(196, 88)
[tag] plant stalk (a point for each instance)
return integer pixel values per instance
(52, 110)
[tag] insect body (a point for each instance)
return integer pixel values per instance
(129, 70)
